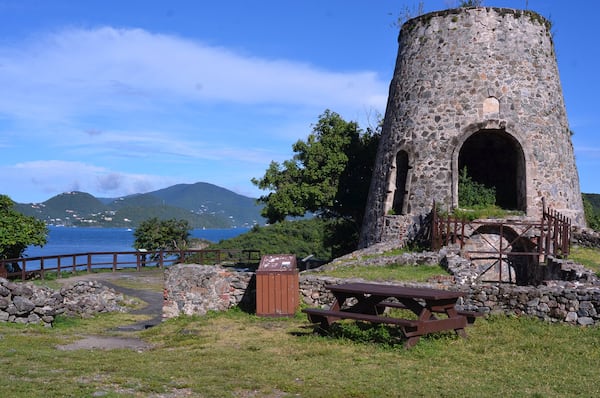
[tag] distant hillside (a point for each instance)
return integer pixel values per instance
(81, 202)
(594, 200)
(207, 199)
(203, 205)
(591, 205)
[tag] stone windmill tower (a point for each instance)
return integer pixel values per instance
(476, 88)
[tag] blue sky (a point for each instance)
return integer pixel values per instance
(119, 97)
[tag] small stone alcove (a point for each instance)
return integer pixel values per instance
(494, 158)
(398, 184)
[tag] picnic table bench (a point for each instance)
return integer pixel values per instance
(435, 309)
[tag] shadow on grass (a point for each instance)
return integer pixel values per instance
(385, 336)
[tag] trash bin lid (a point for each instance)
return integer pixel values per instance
(277, 262)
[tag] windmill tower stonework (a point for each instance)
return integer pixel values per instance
(476, 88)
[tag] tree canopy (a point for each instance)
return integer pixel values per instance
(154, 234)
(329, 176)
(18, 231)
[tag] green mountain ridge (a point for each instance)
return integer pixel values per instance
(203, 205)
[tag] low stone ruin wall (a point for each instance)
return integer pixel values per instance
(585, 237)
(196, 289)
(29, 303)
(558, 301)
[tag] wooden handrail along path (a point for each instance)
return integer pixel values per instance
(25, 267)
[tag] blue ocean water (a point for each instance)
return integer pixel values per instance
(67, 240)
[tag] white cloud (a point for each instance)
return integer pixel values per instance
(587, 150)
(76, 70)
(158, 145)
(133, 111)
(56, 176)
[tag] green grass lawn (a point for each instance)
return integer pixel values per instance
(240, 355)
(393, 272)
(590, 257)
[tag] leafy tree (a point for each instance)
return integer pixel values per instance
(470, 3)
(18, 231)
(154, 234)
(329, 174)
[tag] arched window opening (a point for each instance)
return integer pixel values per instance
(400, 191)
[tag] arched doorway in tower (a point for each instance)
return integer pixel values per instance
(494, 158)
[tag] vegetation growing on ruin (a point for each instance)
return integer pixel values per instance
(472, 194)
(392, 272)
(484, 213)
(470, 3)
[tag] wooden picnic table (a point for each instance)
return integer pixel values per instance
(435, 309)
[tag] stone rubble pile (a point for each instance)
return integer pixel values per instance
(24, 302)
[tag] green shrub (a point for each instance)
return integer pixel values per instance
(301, 238)
(484, 212)
(474, 194)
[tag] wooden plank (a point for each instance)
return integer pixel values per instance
(361, 317)
(395, 291)
(277, 291)
(271, 293)
(260, 295)
(470, 315)
(439, 325)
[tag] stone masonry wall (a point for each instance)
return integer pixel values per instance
(473, 71)
(196, 289)
(28, 303)
(585, 237)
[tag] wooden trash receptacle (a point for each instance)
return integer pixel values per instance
(277, 287)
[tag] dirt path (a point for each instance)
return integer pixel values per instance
(154, 301)
(149, 291)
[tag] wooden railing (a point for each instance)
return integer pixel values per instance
(26, 267)
(549, 236)
(556, 232)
